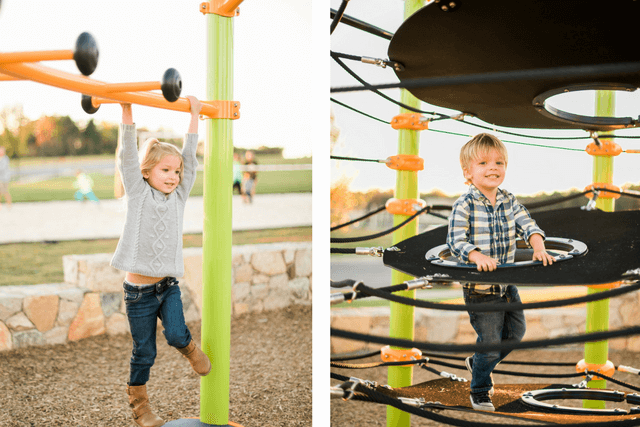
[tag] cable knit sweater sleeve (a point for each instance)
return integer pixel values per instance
(190, 164)
(128, 162)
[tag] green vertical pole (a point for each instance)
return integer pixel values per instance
(216, 244)
(402, 316)
(598, 311)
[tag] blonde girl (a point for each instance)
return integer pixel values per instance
(150, 251)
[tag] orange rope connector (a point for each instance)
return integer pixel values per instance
(606, 148)
(405, 162)
(602, 194)
(388, 354)
(607, 369)
(409, 121)
(404, 206)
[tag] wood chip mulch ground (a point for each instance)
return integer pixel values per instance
(83, 383)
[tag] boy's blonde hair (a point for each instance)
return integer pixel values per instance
(153, 151)
(479, 145)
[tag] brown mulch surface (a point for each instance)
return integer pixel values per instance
(83, 383)
(360, 413)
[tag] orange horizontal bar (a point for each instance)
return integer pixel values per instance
(46, 55)
(133, 87)
(82, 84)
(5, 78)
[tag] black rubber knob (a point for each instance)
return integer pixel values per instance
(171, 85)
(86, 54)
(87, 105)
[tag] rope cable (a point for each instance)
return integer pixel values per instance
(382, 233)
(359, 112)
(338, 15)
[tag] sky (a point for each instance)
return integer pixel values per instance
(138, 41)
(530, 169)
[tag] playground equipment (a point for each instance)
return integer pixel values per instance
(216, 304)
(502, 65)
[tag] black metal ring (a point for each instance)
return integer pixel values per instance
(534, 398)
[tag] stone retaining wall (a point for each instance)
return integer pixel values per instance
(91, 301)
(439, 326)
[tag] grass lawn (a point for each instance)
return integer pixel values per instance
(40, 263)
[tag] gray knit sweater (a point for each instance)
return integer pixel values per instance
(151, 242)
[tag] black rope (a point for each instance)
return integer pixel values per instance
(483, 308)
(484, 348)
(613, 380)
(355, 356)
(359, 112)
(388, 98)
(512, 373)
(355, 159)
(338, 15)
(504, 362)
(367, 215)
(531, 206)
(378, 364)
(502, 76)
(382, 233)
(361, 25)
(343, 250)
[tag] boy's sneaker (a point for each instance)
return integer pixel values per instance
(481, 401)
(468, 362)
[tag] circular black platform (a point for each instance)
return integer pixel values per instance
(482, 36)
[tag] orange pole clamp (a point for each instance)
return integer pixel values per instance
(228, 8)
(409, 121)
(603, 194)
(388, 354)
(405, 162)
(611, 285)
(84, 85)
(45, 55)
(404, 206)
(607, 148)
(607, 369)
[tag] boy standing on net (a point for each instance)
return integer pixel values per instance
(483, 227)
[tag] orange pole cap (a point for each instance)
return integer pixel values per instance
(388, 354)
(606, 148)
(228, 8)
(405, 162)
(607, 369)
(404, 206)
(603, 194)
(409, 121)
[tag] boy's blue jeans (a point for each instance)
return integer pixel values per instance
(145, 304)
(493, 328)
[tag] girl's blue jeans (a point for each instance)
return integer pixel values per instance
(145, 304)
(493, 328)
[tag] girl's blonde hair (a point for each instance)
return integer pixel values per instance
(479, 145)
(153, 151)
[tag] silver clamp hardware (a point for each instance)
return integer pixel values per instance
(382, 63)
(420, 283)
(592, 203)
(583, 383)
(593, 134)
(415, 402)
(378, 251)
(453, 377)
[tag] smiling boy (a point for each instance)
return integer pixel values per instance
(483, 228)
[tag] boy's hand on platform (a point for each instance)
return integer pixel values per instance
(483, 262)
(543, 256)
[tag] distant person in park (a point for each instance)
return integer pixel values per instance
(250, 177)
(84, 184)
(5, 177)
(237, 173)
(483, 227)
(157, 182)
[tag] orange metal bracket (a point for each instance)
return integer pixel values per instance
(602, 194)
(389, 354)
(404, 206)
(606, 148)
(84, 85)
(409, 121)
(228, 8)
(405, 162)
(607, 369)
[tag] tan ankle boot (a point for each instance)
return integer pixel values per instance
(199, 361)
(139, 402)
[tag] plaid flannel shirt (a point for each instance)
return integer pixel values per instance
(475, 224)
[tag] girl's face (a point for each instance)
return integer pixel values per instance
(165, 176)
(487, 171)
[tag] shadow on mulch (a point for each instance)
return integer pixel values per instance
(83, 383)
